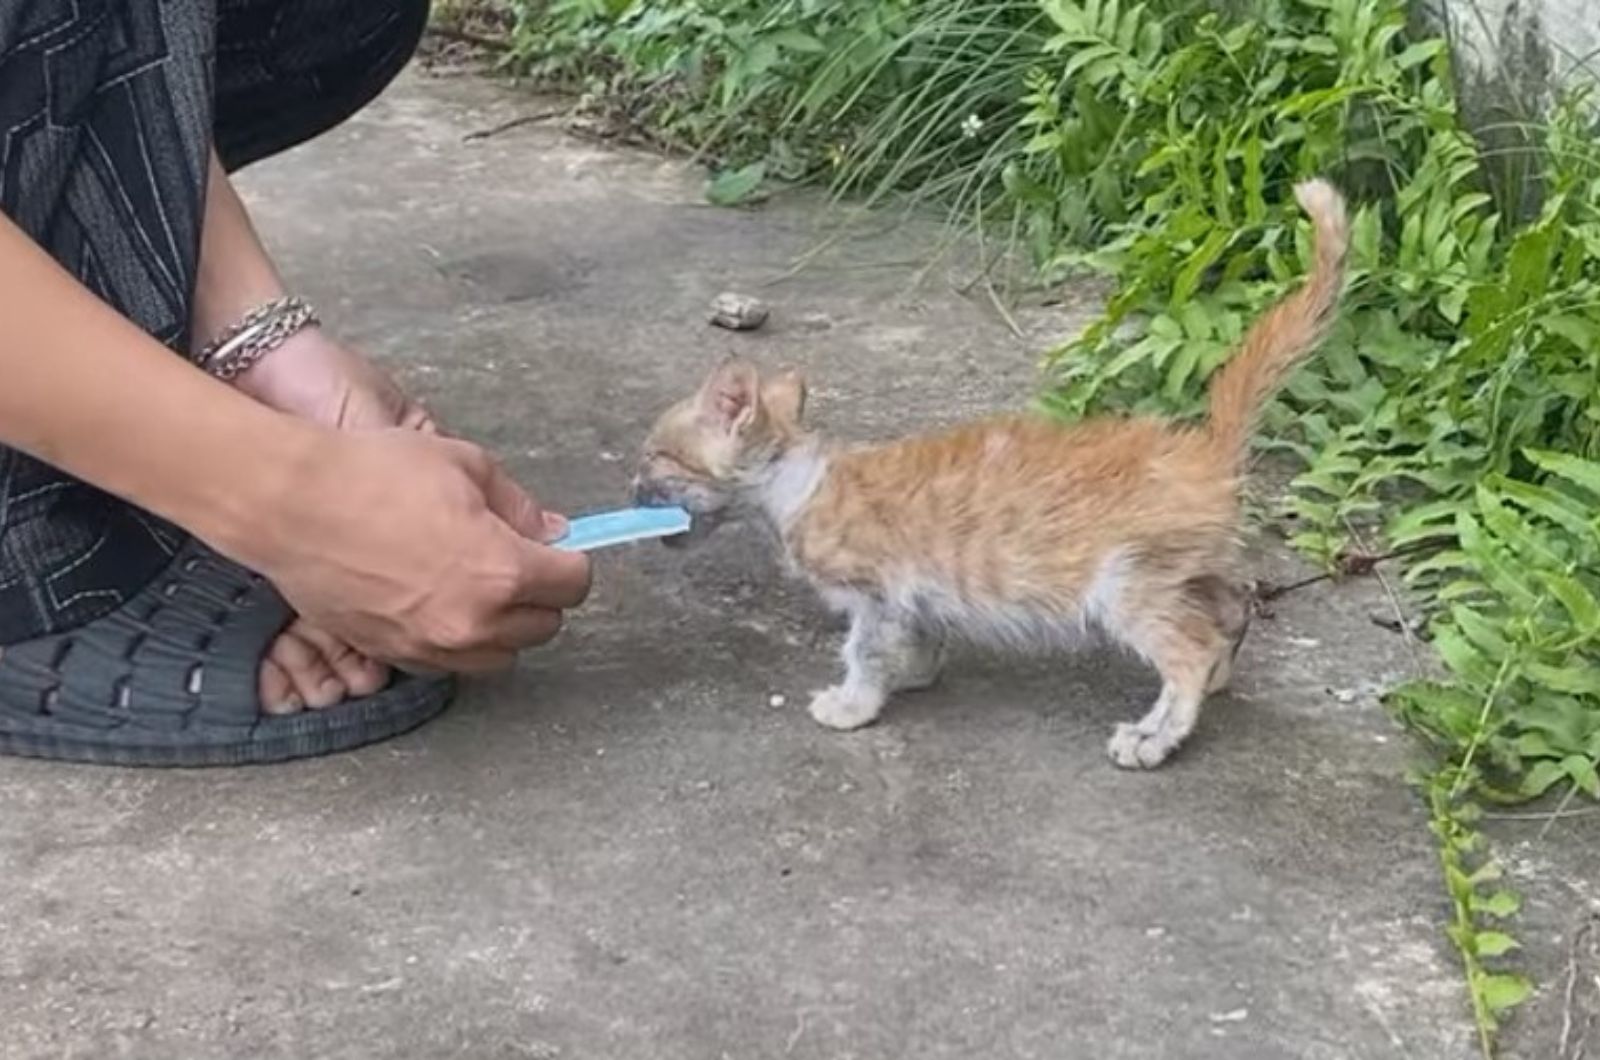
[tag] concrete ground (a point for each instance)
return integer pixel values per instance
(633, 847)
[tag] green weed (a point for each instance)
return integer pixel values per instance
(1456, 409)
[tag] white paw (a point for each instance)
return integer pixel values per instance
(1131, 749)
(838, 709)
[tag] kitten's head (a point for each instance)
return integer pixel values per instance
(707, 452)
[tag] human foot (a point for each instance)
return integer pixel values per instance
(166, 680)
(308, 668)
(316, 378)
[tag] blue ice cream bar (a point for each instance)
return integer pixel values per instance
(604, 529)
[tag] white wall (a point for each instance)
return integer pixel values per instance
(1530, 43)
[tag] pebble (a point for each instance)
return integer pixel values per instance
(737, 312)
(777, 699)
(1416, 625)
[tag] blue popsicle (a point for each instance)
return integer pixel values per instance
(619, 527)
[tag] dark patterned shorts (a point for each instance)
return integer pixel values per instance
(108, 109)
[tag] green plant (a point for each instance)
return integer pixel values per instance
(872, 97)
(1457, 405)
(1456, 408)
(1475, 908)
(715, 77)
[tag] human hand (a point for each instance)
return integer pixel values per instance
(314, 376)
(415, 549)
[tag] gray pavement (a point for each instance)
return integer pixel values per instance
(633, 848)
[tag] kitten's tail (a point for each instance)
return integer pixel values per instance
(1288, 331)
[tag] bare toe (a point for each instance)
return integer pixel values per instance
(361, 675)
(311, 675)
(277, 691)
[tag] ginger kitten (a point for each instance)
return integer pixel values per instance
(1016, 531)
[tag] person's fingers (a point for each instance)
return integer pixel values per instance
(525, 627)
(518, 508)
(416, 417)
(467, 661)
(551, 577)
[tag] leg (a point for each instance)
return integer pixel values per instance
(1187, 649)
(884, 653)
(289, 70)
(922, 661)
(105, 170)
(1222, 671)
(1228, 605)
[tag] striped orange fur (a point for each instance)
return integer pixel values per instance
(1016, 531)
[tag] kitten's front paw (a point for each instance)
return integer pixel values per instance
(1132, 749)
(838, 709)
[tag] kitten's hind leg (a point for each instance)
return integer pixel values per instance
(1186, 651)
(921, 660)
(1222, 670)
(884, 653)
(1229, 606)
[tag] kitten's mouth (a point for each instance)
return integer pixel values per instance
(701, 524)
(699, 528)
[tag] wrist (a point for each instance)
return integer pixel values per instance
(236, 274)
(261, 331)
(247, 485)
(267, 378)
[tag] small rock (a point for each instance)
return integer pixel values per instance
(737, 312)
(1238, 1015)
(1416, 625)
(777, 699)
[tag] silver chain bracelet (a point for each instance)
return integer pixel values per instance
(263, 330)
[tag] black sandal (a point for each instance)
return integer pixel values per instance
(170, 679)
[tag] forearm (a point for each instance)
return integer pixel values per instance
(236, 274)
(87, 391)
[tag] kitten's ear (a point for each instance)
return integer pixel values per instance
(731, 395)
(785, 396)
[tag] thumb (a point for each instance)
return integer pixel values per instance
(518, 508)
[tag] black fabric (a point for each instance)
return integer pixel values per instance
(108, 109)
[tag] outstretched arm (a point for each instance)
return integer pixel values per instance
(415, 549)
